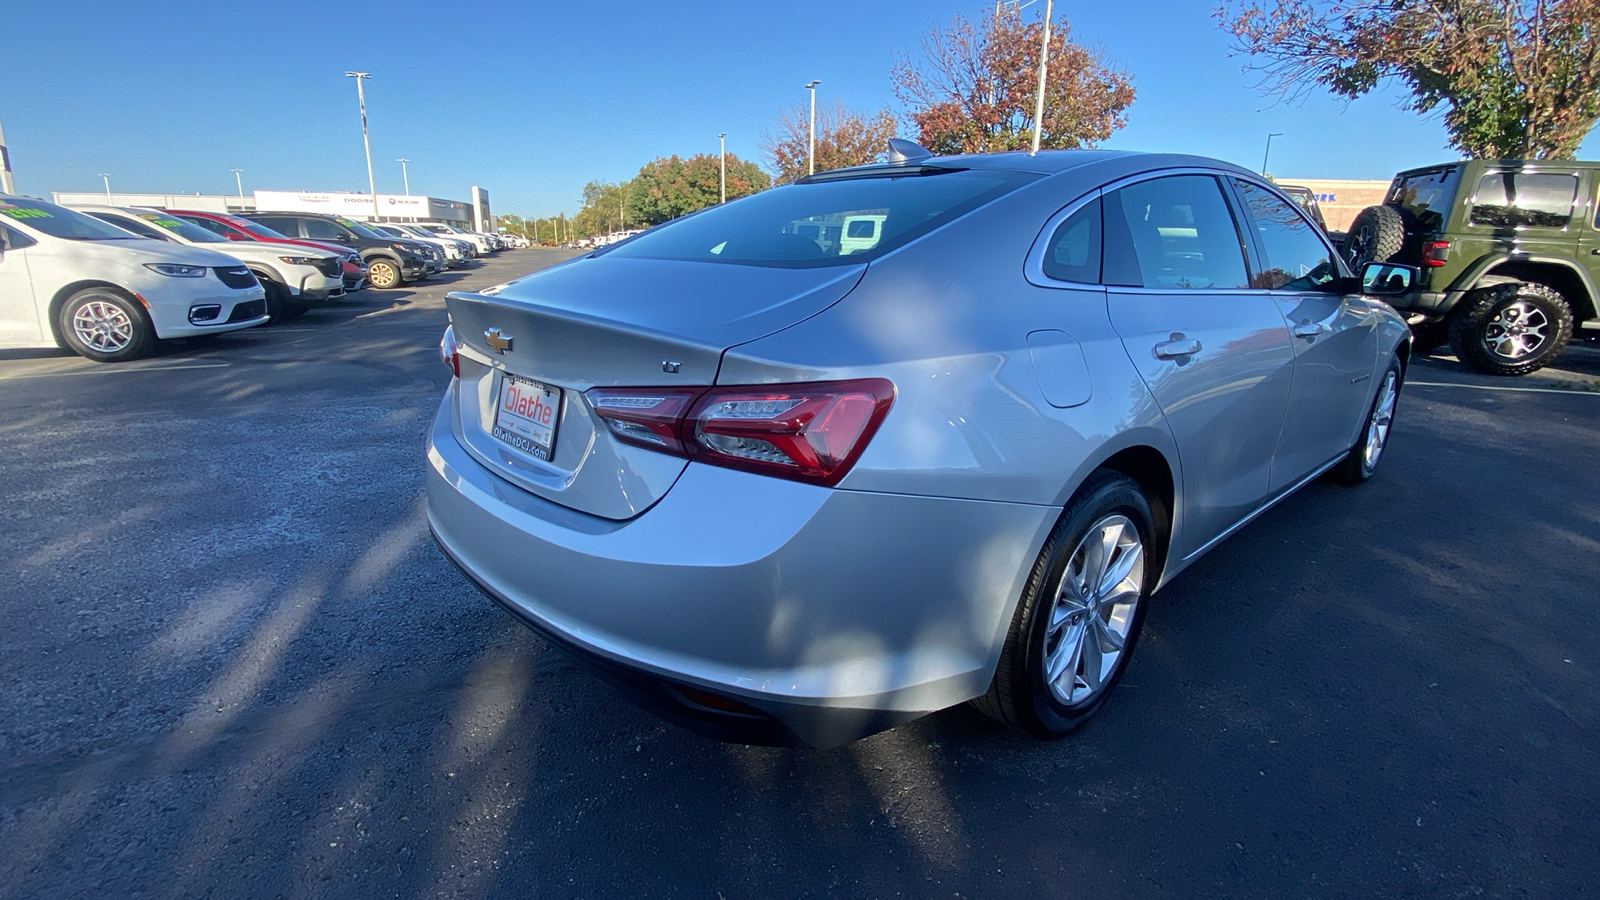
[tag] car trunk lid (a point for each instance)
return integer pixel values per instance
(531, 348)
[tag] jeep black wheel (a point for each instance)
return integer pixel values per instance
(1510, 329)
(1376, 235)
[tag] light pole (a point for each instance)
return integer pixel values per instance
(722, 158)
(1044, 69)
(811, 144)
(1268, 155)
(361, 97)
(6, 184)
(238, 179)
(107, 179)
(404, 175)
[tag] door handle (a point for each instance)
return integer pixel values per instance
(1175, 349)
(1308, 329)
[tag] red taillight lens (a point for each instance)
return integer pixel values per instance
(649, 417)
(449, 350)
(1435, 253)
(805, 432)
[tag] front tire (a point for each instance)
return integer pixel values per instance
(1080, 615)
(384, 273)
(106, 325)
(1362, 461)
(1510, 329)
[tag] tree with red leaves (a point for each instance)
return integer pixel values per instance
(1514, 78)
(972, 88)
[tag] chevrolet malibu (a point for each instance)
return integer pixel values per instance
(782, 488)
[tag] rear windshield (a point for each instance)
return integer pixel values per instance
(803, 225)
(1423, 198)
(60, 222)
(1514, 199)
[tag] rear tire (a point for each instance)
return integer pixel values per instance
(384, 274)
(1080, 614)
(1427, 337)
(1376, 235)
(1510, 329)
(106, 325)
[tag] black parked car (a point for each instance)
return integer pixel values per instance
(390, 262)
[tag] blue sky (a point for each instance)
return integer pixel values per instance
(533, 99)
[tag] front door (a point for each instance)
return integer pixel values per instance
(1214, 353)
(19, 315)
(1335, 337)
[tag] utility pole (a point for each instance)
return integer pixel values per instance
(7, 186)
(722, 158)
(1044, 69)
(811, 146)
(1268, 155)
(238, 178)
(361, 96)
(107, 179)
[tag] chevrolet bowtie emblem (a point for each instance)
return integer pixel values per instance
(497, 341)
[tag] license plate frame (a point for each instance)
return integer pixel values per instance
(534, 408)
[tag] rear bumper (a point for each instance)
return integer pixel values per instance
(825, 615)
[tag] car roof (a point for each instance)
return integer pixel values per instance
(1045, 162)
(1530, 164)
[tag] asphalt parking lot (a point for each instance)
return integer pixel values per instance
(236, 665)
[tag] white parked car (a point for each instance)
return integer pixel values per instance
(71, 281)
(295, 277)
(456, 251)
(450, 231)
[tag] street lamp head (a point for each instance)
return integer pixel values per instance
(357, 75)
(813, 84)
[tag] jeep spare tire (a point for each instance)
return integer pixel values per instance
(1376, 235)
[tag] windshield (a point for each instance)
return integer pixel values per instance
(60, 222)
(189, 231)
(360, 229)
(829, 223)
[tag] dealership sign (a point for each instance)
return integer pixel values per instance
(359, 206)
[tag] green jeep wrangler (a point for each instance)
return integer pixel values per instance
(1509, 251)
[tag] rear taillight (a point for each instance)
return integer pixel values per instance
(449, 351)
(1435, 253)
(805, 432)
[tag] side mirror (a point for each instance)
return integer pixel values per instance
(1381, 279)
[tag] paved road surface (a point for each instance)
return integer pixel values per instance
(236, 666)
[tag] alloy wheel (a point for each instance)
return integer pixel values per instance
(1382, 418)
(1516, 332)
(1360, 245)
(383, 275)
(1093, 610)
(102, 326)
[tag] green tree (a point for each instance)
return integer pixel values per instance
(671, 186)
(603, 209)
(1514, 78)
(845, 138)
(974, 86)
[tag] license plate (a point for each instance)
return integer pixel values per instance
(526, 415)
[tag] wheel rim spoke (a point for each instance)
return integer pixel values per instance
(1101, 587)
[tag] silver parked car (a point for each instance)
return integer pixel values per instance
(780, 485)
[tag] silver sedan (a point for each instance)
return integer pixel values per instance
(819, 461)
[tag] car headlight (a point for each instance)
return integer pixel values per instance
(176, 270)
(405, 247)
(300, 260)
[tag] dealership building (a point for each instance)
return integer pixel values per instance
(474, 215)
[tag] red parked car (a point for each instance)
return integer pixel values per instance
(236, 229)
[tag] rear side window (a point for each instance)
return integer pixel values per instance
(280, 224)
(791, 226)
(1514, 199)
(1074, 250)
(1173, 233)
(127, 223)
(207, 224)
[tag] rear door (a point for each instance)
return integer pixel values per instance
(1335, 337)
(19, 314)
(1214, 353)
